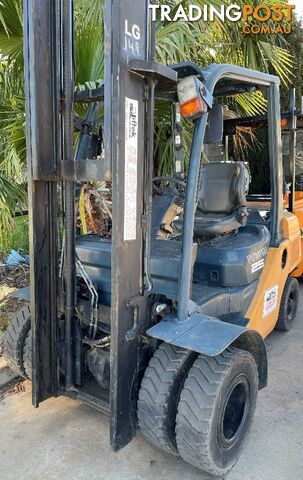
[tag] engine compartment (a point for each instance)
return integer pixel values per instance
(230, 260)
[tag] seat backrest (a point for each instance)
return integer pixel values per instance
(223, 187)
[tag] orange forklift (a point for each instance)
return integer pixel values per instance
(160, 323)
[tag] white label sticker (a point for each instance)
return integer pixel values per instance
(270, 300)
(258, 255)
(131, 169)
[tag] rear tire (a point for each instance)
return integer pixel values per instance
(216, 410)
(289, 305)
(159, 395)
(27, 356)
(14, 341)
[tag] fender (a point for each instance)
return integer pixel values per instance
(210, 336)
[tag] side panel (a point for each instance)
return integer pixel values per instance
(264, 309)
(41, 89)
(127, 37)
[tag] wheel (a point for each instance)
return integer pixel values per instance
(14, 341)
(27, 356)
(159, 395)
(289, 305)
(216, 410)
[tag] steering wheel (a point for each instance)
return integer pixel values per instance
(177, 182)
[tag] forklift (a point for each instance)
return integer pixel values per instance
(161, 324)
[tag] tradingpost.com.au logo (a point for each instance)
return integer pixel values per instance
(260, 19)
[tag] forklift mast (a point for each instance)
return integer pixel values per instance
(129, 103)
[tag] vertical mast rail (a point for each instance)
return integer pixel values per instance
(128, 37)
(69, 186)
(42, 91)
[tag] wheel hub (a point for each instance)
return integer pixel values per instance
(234, 413)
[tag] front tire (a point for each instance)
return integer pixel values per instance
(216, 410)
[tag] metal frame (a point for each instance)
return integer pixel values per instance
(43, 151)
(213, 75)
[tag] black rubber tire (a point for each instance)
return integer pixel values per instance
(27, 356)
(159, 395)
(289, 305)
(208, 435)
(14, 341)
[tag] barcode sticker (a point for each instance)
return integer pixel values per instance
(131, 169)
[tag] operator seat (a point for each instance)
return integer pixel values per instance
(222, 200)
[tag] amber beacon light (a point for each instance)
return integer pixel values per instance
(192, 98)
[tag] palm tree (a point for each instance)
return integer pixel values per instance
(201, 42)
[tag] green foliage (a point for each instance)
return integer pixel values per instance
(200, 42)
(11, 195)
(18, 239)
(12, 150)
(11, 36)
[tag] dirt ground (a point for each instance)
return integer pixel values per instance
(15, 387)
(11, 280)
(67, 440)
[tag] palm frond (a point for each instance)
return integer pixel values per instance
(12, 197)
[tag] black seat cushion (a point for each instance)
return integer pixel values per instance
(222, 200)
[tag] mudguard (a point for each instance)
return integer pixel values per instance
(210, 336)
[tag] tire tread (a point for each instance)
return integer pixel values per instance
(27, 356)
(14, 340)
(155, 394)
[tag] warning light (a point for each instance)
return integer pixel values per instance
(193, 108)
(193, 98)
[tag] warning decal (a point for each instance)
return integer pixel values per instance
(131, 169)
(270, 300)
